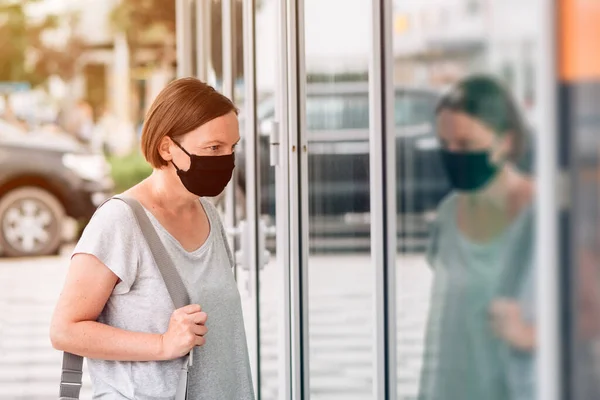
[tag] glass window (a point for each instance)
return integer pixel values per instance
(337, 112)
(339, 290)
(413, 108)
(465, 265)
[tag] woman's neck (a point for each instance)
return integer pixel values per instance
(502, 194)
(169, 194)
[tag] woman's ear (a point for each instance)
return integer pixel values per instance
(164, 149)
(508, 146)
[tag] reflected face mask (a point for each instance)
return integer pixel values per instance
(469, 171)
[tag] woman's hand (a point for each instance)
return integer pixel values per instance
(507, 322)
(186, 330)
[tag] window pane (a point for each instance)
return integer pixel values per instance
(465, 198)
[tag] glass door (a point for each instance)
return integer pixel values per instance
(336, 273)
(256, 201)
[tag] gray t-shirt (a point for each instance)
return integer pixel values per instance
(140, 302)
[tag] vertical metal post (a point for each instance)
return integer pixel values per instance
(251, 256)
(383, 201)
(282, 205)
(183, 30)
(298, 192)
(202, 39)
(228, 90)
(390, 179)
(549, 386)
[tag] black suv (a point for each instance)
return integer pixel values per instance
(337, 121)
(46, 180)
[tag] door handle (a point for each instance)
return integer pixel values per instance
(275, 141)
(242, 231)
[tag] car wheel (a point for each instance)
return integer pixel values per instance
(31, 221)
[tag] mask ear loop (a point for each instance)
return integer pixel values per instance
(184, 150)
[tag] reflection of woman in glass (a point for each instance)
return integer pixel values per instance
(480, 333)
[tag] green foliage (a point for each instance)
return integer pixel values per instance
(145, 23)
(128, 171)
(148, 23)
(23, 54)
(13, 43)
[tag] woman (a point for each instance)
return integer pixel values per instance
(480, 333)
(115, 308)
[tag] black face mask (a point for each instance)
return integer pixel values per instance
(469, 171)
(208, 175)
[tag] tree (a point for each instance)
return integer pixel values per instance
(24, 55)
(151, 24)
(147, 25)
(51, 60)
(13, 43)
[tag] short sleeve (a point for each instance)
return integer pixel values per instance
(110, 236)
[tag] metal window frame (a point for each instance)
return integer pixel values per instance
(548, 302)
(298, 195)
(380, 138)
(228, 54)
(282, 202)
(382, 157)
(298, 200)
(250, 253)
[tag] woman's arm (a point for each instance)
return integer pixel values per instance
(74, 329)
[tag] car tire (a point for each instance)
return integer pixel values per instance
(31, 223)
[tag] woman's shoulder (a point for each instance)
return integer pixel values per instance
(446, 208)
(113, 211)
(112, 218)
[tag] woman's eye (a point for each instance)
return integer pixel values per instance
(214, 148)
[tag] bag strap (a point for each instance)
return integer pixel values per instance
(175, 286)
(71, 377)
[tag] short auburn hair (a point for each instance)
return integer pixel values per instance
(182, 106)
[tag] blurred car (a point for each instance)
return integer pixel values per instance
(46, 181)
(337, 123)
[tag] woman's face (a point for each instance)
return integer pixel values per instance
(218, 137)
(458, 132)
(472, 153)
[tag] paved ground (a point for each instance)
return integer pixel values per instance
(341, 330)
(29, 367)
(341, 312)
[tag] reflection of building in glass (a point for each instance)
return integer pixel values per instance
(436, 43)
